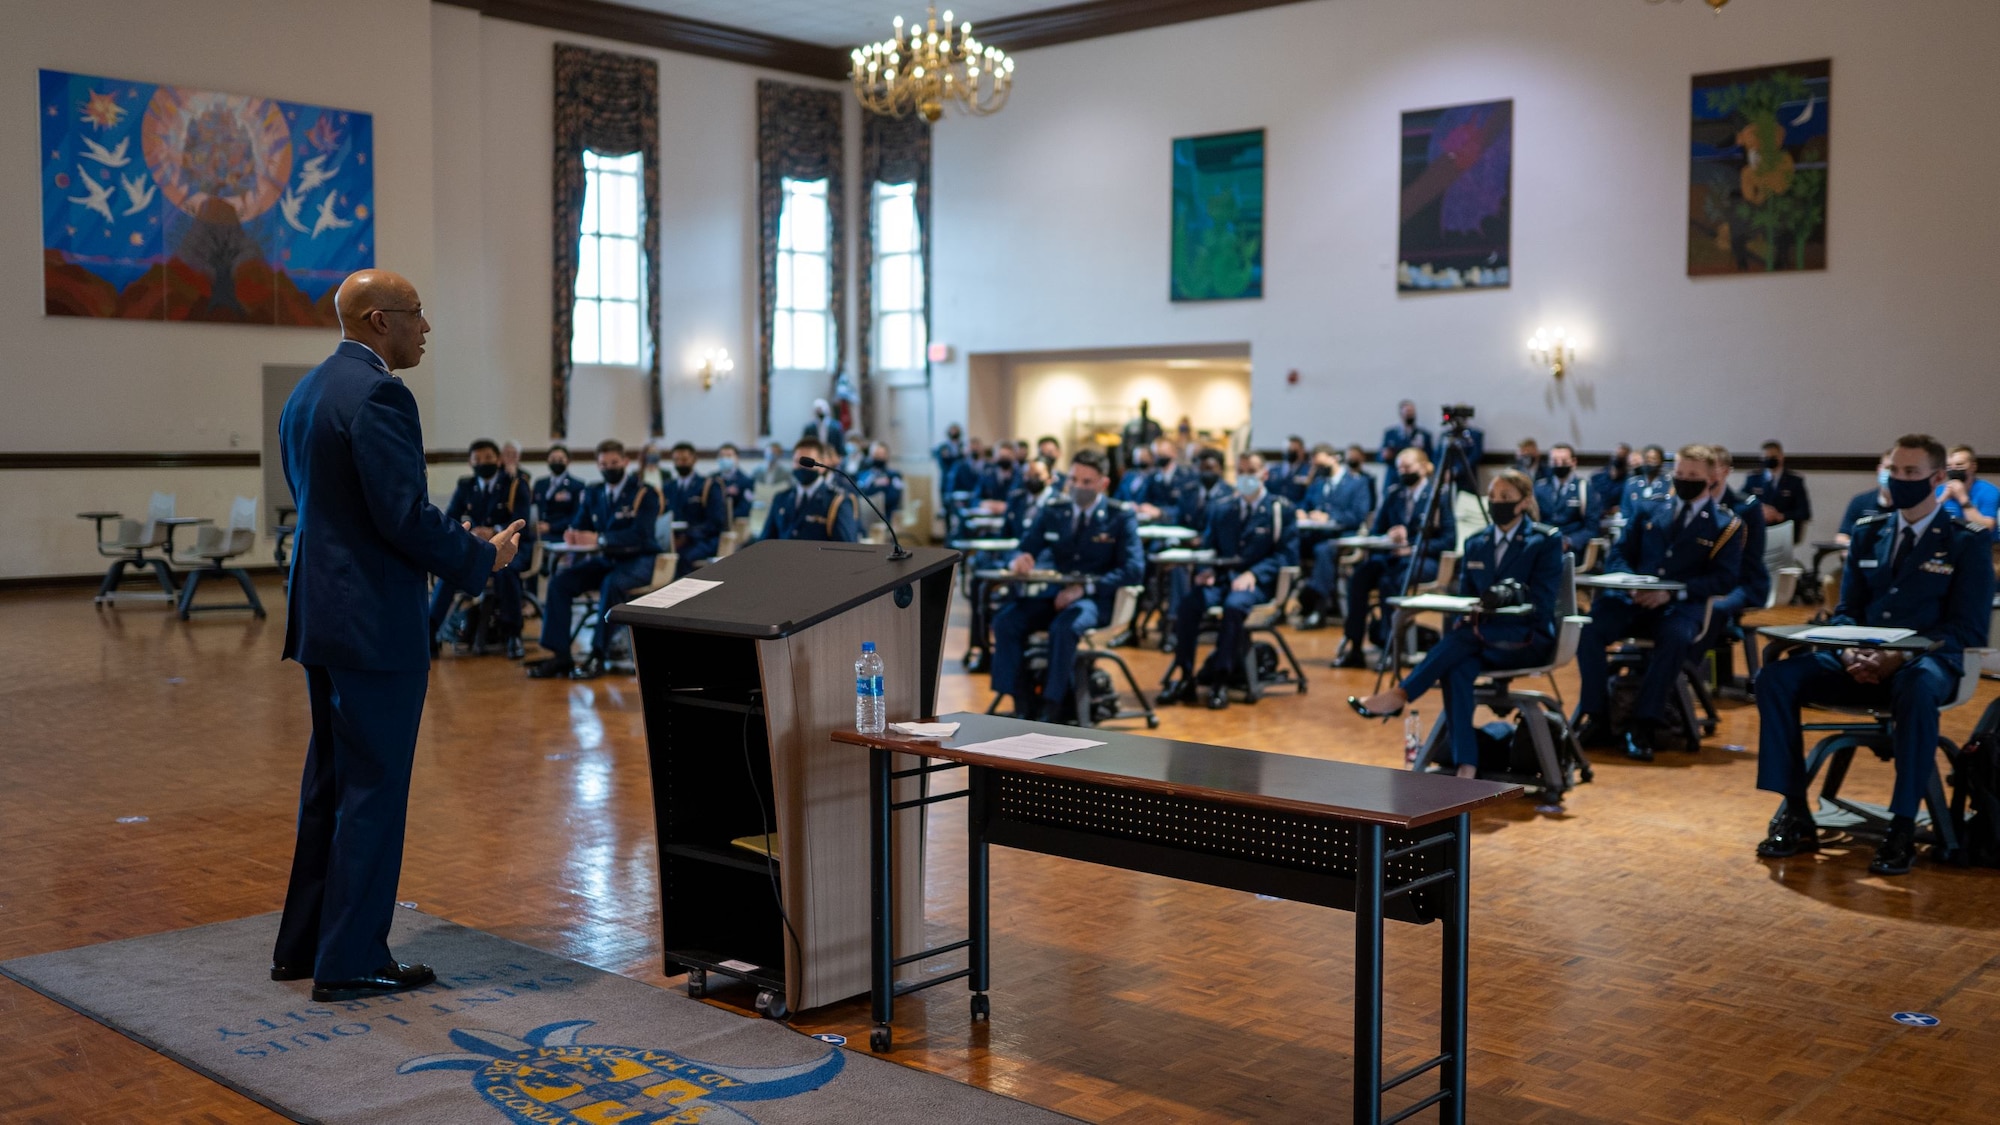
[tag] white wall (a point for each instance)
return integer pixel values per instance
(1051, 219)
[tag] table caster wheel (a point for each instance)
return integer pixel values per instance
(697, 983)
(1152, 722)
(982, 1008)
(878, 1039)
(772, 1005)
(1302, 687)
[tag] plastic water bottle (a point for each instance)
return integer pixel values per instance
(1413, 737)
(869, 714)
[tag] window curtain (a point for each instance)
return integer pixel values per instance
(798, 137)
(894, 150)
(611, 103)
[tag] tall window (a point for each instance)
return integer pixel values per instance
(802, 324)
(899, 279)
(611, 264)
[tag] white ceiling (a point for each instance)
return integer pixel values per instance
(834, 23)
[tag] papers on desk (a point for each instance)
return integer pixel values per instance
(673, 593)
(1622, 579)
(925, 730)
(1028, 747)
(1853, 635)
(1439, 603)
(1183, 555)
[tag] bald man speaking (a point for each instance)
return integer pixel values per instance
(358, 620)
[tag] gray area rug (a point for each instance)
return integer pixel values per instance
(508, 1034)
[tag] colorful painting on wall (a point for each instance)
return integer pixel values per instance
(1757, 181)
(1218, 251)
(168, 203)
(1457, 198)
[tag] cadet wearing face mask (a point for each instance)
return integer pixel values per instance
(1400, 520)
(1782, 493)
(556, 495)
(1753, 585)
(1257, 528)
(700, 502)
(1132, 485)
(618, 515)
(1291, 477)
(826, 429)
(1049, 452)
(1409, 435)
(1609, 482)
(1687, 539)
(485, 502)
(738, 489)
(1000, 480)
(1647, 483)
(1916, 569)
(949, 452)
(1567, 501)
(813, 508)
(1356, 460)
(1966, 498)
(880, 481)
(1337, 504)
(1167, 486)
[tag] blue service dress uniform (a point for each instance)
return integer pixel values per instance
(996, 485)
(701, 502)
(1705, 552)
(556, 500)
(1753, 585)
(1345, 498)
(624, 519)
(738, 492)
(1102, 542)
(493, 504)
(1474, 644)
(1939, 584)
(353, 453)
(1264, 538)
(1384, 571)
(1132, 485)
(1395, 439)
(884, 485)
(1572, 508)
(1785, 491)
(1641, 490)
(818, 512)
(1289, 479)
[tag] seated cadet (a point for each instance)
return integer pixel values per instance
(1337, 505)
(1966, 498)
(1873, 502)
(813, 508)
(1409, 435)
(557, 496)
(1254, 527)
(1566, 500)
(1049, 452)
(1209, 487)
(1608, 483)
(1027, 501)
(1528, 459)
(1357, 463)
(1132, 485)
(1686, 539)
(1782, 493)
(949, 452)
(1085, 533)
(618, 515)
(880, 482)
(999, 480)
(1514, 548)
(1290, 477)
(1753, 587)
(739, 491)
(1167, 487)
(1400, 519)
(1916, 569)
(486, 502)
(1647, 482)
(966, 473)
(700, 502)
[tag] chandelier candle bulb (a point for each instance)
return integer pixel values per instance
(930, 79)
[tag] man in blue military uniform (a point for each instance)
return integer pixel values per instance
(1567, 501)
(949, 452)
(618, 515)
(1689, 539)
(1514, 548)
(1914, 569)
(1209, 488)
(738, 488)
(1001, 478)
(1086, 534)
(880, 482)
(1966, 498)
(1608, 483)
(1138, 475)
(1256, 528)
(1289, 478)
(1400, 519)
(1753, 587)
(700, 502)
(486, 501)
(1409, 435)
(1167, 485)
(1337, 504)
(557, 496)
(1782, 492)
(1028, 501)
(1647, 483)
(826, 430)
(812, 508)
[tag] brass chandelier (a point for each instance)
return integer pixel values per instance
(925, 68)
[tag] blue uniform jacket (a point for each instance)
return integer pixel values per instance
(1168, 491)
(1264, 535)
(1021, 510)
(1707, 556)
(623, 519)
(738, 490)
(556, 502)
(1639, 492)
(1343, 498)
(1289, 479)
(1393, 514)
(1535, 560)
(825, 516)
(1104, 544)
(884, 486)
(1192, 511)
(1753, 586)
(1869, 503)
(1571, 508)
(1787, 493)
(700, 502)
(964, 477)
(995, 485)
(353, 452)
(1395, 439)
(496, 507)
(1132, 486)
(1943, 589)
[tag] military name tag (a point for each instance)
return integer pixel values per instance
(1475, 566)
(1866, 563)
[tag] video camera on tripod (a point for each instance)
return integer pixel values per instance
(1457, 415)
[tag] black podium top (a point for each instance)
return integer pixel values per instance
(775, 588)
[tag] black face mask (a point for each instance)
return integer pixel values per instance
(951, 435)
(1409, 480)
(1957, 474)
(1293, 456)
(805, 477)
(1909, 493)
(1503, 511)
(1620, 470)
(1689, 490)
(879, 463)
(1772, 463)
(683, 470)
(1322, 470)
(1409, 421)
(1651, 472)
(558, 468)
(1209, 479)
(487, 471)
(1006, 464)
(1354, 464)
(1561, 471)
(613, 477)
(1048, 459)
(1036, 487)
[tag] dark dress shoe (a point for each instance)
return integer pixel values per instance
(515, 649)
(1313, 620)
(397, 977)
(289, 972)
(1218, 697)
(1638, 746)
(1897, 851)
(554, 668)
(1790, 836)
(1180, 691)
(588, 670)
(1355, 702)
(1592, 733)
(1352, 658)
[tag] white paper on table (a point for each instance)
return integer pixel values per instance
(674, 593)
(1854, 634)
(1440, 603)
(1028, 747)
(1620, 578)
(925, 730)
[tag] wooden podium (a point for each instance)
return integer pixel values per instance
(743, 686)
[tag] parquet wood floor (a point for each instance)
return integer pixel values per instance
(1632, 960)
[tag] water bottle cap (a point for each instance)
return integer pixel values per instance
(867, 646)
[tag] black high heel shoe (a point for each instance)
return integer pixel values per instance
(1364, 712)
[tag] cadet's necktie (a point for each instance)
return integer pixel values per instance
(1906, 545)
(1686, 518)
(1500, 543)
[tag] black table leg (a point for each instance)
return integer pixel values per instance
(882, 970)
(978, 914)
(1368, 973)
(1451, 1038)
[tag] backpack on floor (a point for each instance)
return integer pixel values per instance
(1672, 732)
(1975, 785)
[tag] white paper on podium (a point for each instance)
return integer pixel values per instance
(925, 730)
(1028, 747)
(673, 593)
(1855, 634)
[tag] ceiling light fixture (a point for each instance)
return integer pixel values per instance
(926, 67)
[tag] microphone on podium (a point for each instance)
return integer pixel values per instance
(896, 555)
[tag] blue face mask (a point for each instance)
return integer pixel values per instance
(1247, 485)
(1909, 493)
(725, 465)
(1882, 478)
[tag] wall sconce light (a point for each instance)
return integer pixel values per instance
(1552, 346)
(715, 364)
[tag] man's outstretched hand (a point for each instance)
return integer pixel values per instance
(506, 543)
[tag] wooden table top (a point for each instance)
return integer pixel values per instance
(1251, 778)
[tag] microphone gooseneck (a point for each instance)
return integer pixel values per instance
(896, 555)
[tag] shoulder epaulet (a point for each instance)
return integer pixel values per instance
(466, 479)
(1876, 517)
(1546, 528)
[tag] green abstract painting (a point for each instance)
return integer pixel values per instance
(1757, 182)
(1218, 217)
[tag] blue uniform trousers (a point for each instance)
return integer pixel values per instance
(1230, 640)
(1912, 697)
(1380, 572)
(612, 577)
(353, 802)
(1457, 660)
(1325, 577)
(1023, 616)
(1674, 629)
(694, 551)
(503, 598)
